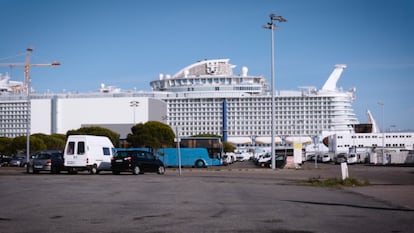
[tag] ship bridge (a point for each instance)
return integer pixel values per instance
(210, 75)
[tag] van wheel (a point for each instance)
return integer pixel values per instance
(136, 170)
(72, 171)
(200, 163)
(161, 170)
(94, 170)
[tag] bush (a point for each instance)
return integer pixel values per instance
(337, 183)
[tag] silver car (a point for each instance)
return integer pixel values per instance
(50, 161)
(17, 161)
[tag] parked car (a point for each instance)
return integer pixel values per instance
(321, 158)
(266, 161)
(242, 156)
(4, 161)
(326, 158)
(136, 161)
(311, 157)
(352, 158)
(18, 161)
(340, 158)
(229, 158)
(49, 160)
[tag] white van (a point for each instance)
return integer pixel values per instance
(86, 152)
(352, 158)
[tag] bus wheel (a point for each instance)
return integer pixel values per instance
(200, 163)
(136, 170)
(94, 170)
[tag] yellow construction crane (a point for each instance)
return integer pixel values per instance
(27, 81)
(27, 65)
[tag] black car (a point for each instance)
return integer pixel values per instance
(280, 161)
(136, 161)
(4, 161)
(49, 160)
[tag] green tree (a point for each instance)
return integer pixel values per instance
(97, 131)
(19, 144)
(53, 142)
(5, 144)
(228, 147)
(58, 141)
(152, 134)
(59, 136)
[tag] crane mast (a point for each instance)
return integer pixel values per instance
(27, 65)
(27, 82)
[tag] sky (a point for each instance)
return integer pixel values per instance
(127, 44)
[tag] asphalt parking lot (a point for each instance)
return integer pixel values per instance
(237, 198)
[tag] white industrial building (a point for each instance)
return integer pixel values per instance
(58, 113)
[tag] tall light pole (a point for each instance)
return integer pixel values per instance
(272, 26)
(177, 139)
(27, 80)
(134, 104)
(383, 131)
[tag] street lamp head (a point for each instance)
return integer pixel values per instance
(279, 18)
(268, 26)
(134, 103)
(56, 63)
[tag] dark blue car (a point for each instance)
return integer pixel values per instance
(136, 161)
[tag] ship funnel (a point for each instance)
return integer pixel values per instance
(330, 84)
(371, 120)
(244, 71)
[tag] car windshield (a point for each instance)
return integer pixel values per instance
(43, 156)
(123, 154)
(57, 155)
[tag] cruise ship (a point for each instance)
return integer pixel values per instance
(207, 97)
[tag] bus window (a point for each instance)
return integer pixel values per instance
(213, 145)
